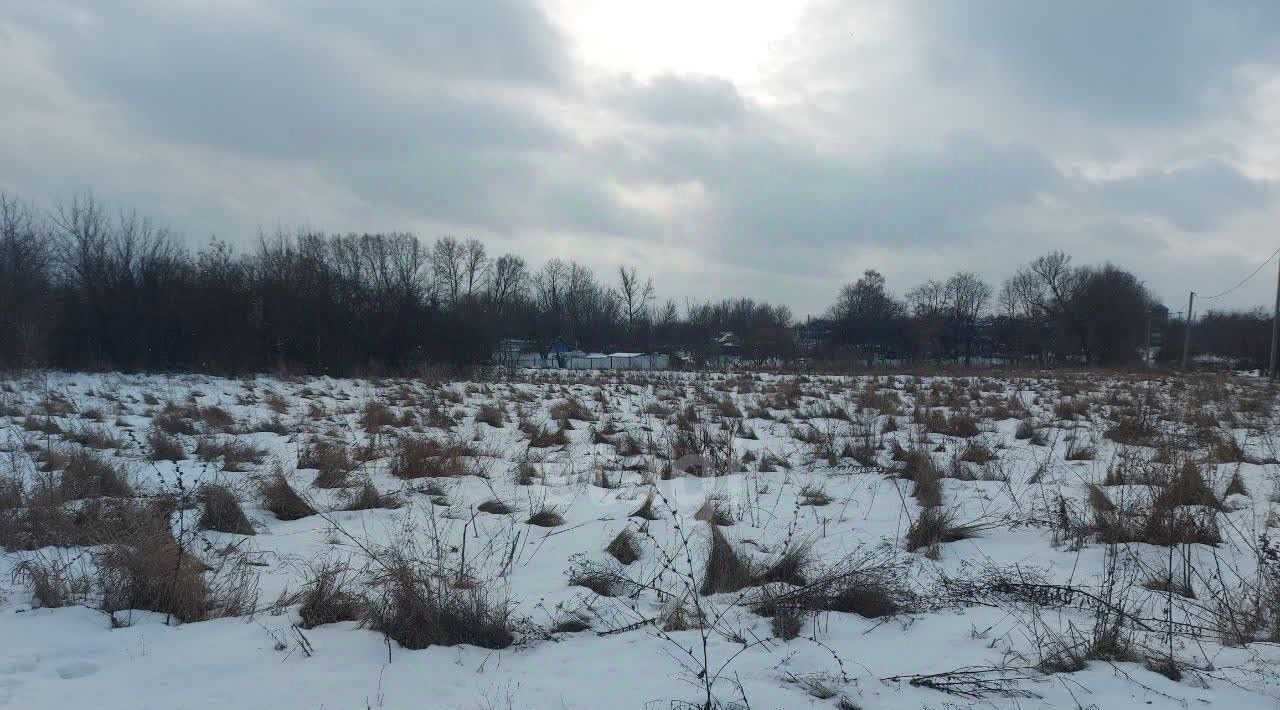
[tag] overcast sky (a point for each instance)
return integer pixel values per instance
(725, 147)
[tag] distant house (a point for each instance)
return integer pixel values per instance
(515, 352)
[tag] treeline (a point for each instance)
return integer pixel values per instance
(83, 286)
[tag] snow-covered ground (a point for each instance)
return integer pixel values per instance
(1029, 600)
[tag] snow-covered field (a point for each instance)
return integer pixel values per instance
(883, 542)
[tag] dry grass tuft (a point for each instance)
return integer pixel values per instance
(417, 610)
(282, 500)
(164, 447)
(327, 597)
(624, 548)
(236, 455)
(91, 475)
(220, 511)
(425, 457)
(935, 526)
(332, 461)
(725, 570)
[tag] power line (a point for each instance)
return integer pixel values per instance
(1246, 279)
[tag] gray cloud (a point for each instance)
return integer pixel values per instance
(680, 100)
(475, 117)
(1197, 198)
(1142, 60)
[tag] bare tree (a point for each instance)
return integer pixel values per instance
(636, 296)
(475, 264)
(448, 264)
(508, 282)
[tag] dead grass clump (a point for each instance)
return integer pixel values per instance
(495, 507)
(541, 437)
(572, 408)
(788, 622)
(220, 511)
(90, 475)
(282, 500)
(236, 455)
(624, 547)
(327, 597)
(977, 452)
(646, 510)
(1080, 449)
(164, 447)
(1234, 487)
(935, 526)
(546, 517)
(871, 596)
(1099, 501)
(376, 416)
(174, 420)
(147, 570)
(725, 570)
(332, 461)
(920, 469)
(814, 494)
(790, 566)
(418, 610)
(53, 584)
(425, 457)
(1026, 429)
(367, 497)
(1226, 449)
(1187, 488)
(489, 414)
(93, 437)
(714, 511)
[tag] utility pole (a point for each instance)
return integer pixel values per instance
(1186, 340)
(1275, 330)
